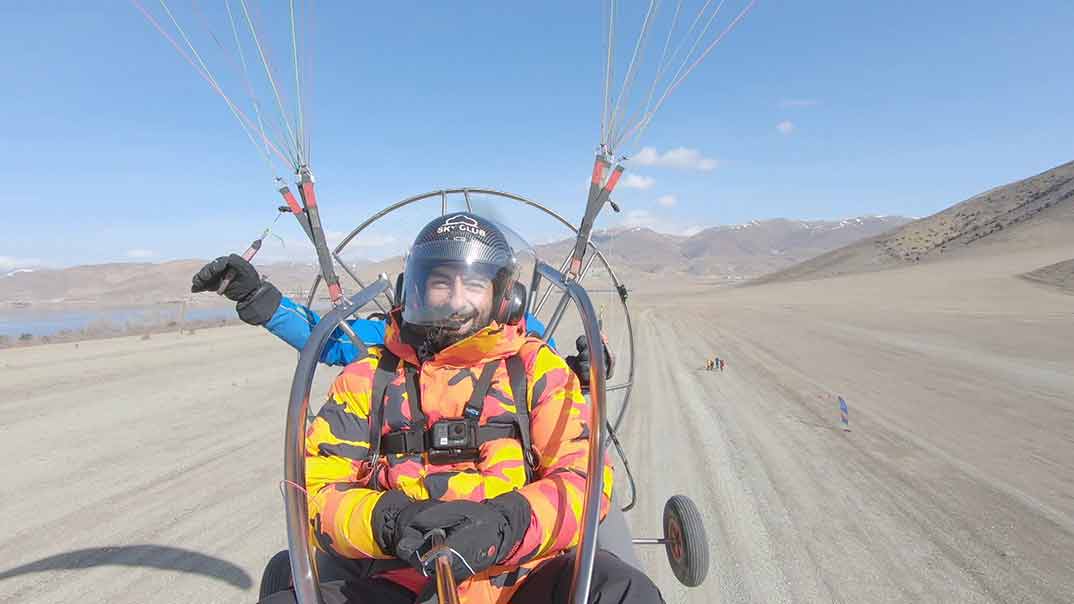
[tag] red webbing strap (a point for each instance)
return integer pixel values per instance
(296, 210)
(309, 198)
(599, 192)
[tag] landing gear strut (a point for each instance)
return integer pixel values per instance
(684, 540)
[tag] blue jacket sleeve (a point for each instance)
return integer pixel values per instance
(534, 327)
(293, 323)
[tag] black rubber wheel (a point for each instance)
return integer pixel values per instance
(686, 543)
(277, 575)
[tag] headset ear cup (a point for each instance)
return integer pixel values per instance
(399, 290)
(501, 313)
(516, 304)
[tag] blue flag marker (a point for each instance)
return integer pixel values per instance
(844, 414)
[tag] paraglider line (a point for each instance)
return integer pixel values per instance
(697, 40)
(309, 24)
(693, 25)
(208, 28)
(639, 49)
(686, 59)
(298, 81)
(244, 121)
(283, 118)
(609, 45)
(675, 84)
(249, 86)
(275, 89)
(662, 65)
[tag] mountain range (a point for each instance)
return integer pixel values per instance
(737, 251)
(1030, 214)
(733, 252)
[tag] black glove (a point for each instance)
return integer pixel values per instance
(579, 363)
(244, 281)
(393, 511)
(483, 533)
(257, 300)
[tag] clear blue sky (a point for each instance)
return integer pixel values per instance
(113, 148)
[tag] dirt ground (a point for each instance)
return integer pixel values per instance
(146, 471)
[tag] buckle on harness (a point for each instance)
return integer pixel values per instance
(408, 440)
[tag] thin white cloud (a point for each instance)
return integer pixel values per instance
(11, 262)
(637, 181)
(668, 201)
(785, 127)
(637, 218)
(799, 103)
(140, 254)
(680, 158)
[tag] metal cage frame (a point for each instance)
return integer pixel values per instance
(535, 303)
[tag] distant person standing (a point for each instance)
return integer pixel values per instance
(723, 364)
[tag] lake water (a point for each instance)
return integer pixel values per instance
(13, 323)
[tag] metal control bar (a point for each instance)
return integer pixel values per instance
(582, 575)
(303, 568)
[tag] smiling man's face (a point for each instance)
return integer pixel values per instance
(465, 297)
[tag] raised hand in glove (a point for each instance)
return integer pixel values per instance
(482, 534)
(257, 300)
(579, 363)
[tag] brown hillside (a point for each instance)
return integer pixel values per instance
(1031, 213)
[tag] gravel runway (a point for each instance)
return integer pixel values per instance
(146, 471)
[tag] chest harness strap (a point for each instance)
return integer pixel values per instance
(450, 440)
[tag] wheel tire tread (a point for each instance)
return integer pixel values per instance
(277, 575)
(695, 541)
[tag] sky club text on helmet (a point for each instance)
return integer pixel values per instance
(459, 224)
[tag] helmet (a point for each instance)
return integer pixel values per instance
(461, 274)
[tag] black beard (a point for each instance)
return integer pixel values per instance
(437, 338)
(457, 320)
(449, 333)
(440, 338)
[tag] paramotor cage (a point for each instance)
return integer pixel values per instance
(538, 299)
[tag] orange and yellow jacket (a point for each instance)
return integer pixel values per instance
(338, 472)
